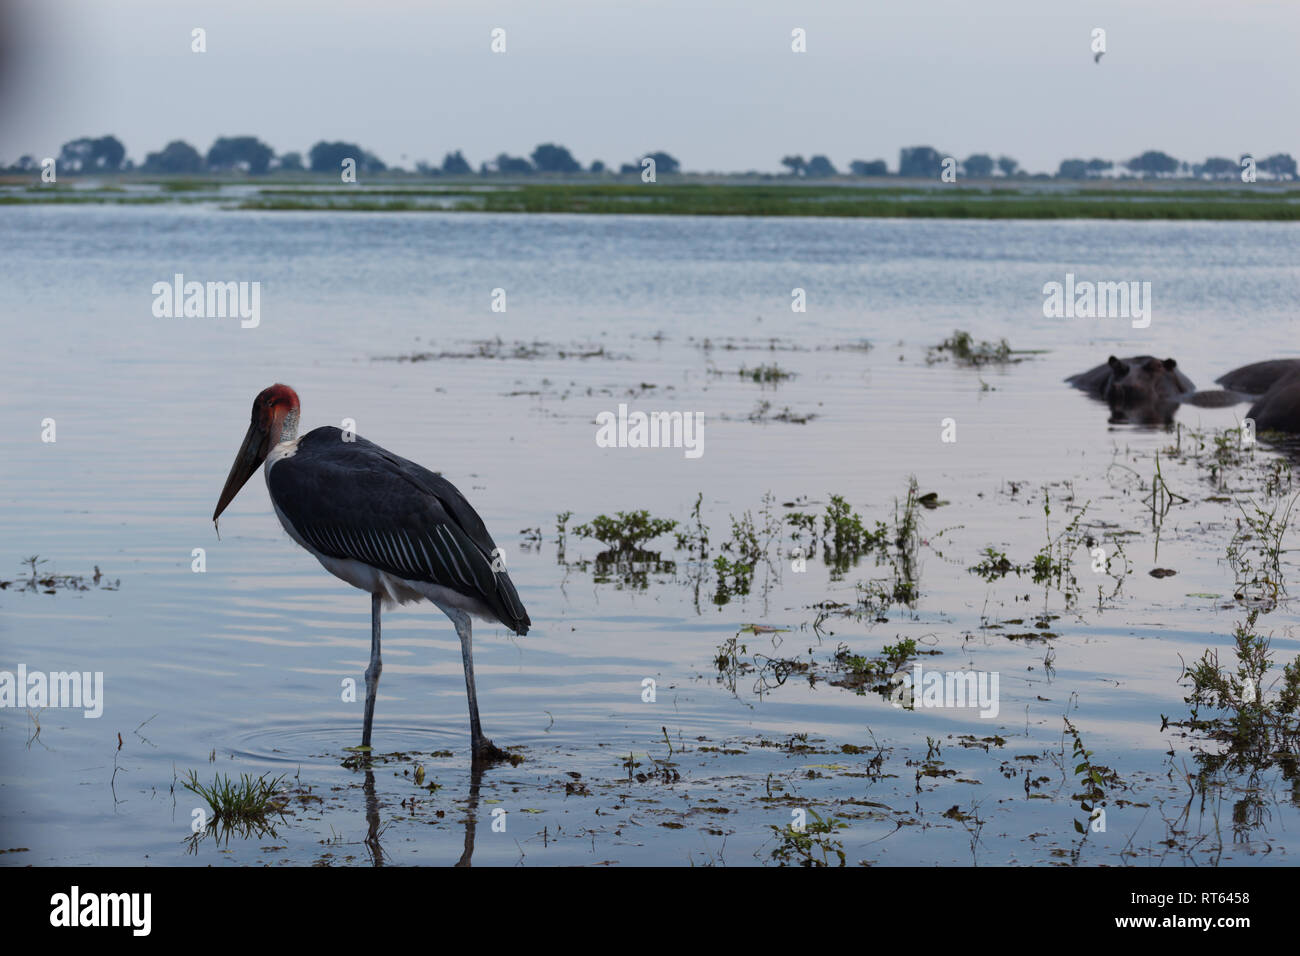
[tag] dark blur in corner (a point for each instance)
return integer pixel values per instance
(8, 58)
(6, 48)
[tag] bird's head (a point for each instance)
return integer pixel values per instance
(274, 419)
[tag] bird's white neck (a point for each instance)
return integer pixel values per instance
(289, 427)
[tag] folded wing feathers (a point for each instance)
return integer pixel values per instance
(422, 527)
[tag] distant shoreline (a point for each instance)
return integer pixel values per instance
(999, 198)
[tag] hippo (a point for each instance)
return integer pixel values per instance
(1142, 390)
(1145, 390)
(1258, 377)
(1275, 385)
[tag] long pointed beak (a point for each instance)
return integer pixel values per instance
(251, 454)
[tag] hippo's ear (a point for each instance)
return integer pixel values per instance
(1116, 366)
(1170, 364)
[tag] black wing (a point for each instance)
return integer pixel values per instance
(353, 499)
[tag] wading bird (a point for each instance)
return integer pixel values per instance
(383, 524)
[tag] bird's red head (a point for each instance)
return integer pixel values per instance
(274, 419)
(272, 406)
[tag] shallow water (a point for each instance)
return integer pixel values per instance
(239, 669)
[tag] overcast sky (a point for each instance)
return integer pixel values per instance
(714, 82)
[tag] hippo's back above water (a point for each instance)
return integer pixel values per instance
(1258, 377)
(1276, 383)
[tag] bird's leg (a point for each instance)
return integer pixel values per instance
(374, 670)
(484, 751)
(462, 622)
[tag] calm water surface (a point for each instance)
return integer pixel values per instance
(240, 669)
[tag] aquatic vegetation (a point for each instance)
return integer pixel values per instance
(811, 844)
(186, 185)
(561, 531)
(765, 374)
(741, 198)
(626, 531)
(778, 199)
(878, 595)
(1225, 455)
(860, 674)
(994, 566)
(743, 552)
(1053, 565)
(803, 523)
(1255, 551)
(733, 578)
(48, 583)
(734, 574)
(237, 801)
(763, 413)
(247, 807)
(846, 536)
(1255, 726)
(962, 349)
(1092, 780)
(624, 561)
(499, 349)
(695, 539)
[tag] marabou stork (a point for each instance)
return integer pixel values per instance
(383, 524)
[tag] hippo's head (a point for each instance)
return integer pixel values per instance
(1145, 391)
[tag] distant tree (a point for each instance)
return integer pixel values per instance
(1280, 165)
(425, 168)
(109, 153)
(25, 164)
(1080, 169)
(454, 164)
(1072, 169)
(328, 158)
(820, 167)
(549, 158)
(664, 164)
(513, 165)
(175, 158)
(1007, 165)
(597, 166)
(291, 162)
(87, 154)
(875, 167)
(795, 164)
(240, 152)
(75, 155)
(629, 169)
(1152, 163)
(1216, 167)
(923, 162)
(978, 166)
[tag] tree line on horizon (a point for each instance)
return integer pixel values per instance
(926, 162)
(248, 154)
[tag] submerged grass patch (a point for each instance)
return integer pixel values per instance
(962, 348)
(1255, 722)
(39, 579)
(248, 799)
(245, 807)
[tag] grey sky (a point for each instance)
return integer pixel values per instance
(713, 82)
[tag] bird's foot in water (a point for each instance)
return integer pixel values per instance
(486, 753)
